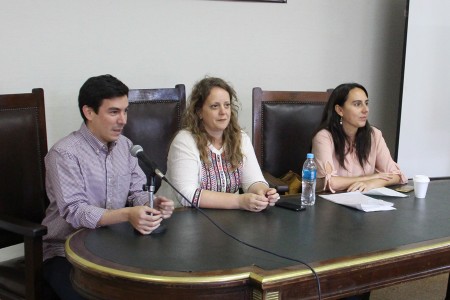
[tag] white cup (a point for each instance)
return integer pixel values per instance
(421, 185)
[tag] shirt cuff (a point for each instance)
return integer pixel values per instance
(327, 183)
(196, 198)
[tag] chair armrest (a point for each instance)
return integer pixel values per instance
(22, 227)
(276, 183)
(32, 233)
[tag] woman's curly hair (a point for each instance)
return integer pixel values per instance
(193, 123)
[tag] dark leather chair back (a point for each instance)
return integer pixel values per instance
(24, 145)
(283, 125)
(22, 191)
(154, 116)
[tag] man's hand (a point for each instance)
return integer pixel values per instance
(144, 219)
(165, 206)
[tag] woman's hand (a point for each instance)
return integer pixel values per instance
(358, 186)
(262, 189)
(371, 182)
(272, 195)
(253, 202)
(383, 176)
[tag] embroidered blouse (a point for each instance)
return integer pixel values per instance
(191, 176)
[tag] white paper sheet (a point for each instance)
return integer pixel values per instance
(359, 201)
(385, 192)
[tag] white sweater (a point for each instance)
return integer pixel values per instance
(184, 167)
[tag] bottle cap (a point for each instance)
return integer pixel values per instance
(310, 155)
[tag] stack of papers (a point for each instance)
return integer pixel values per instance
(365, 203)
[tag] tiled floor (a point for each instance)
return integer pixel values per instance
(432, 288)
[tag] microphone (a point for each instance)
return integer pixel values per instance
(138, 151)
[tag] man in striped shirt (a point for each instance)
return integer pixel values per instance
(91, 177)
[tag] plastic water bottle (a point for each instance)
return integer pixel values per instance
(309, 172)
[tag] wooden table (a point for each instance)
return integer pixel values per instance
(351, 251)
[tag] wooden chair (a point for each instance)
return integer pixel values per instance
(283, 125)
(154, 116)
(22, 192)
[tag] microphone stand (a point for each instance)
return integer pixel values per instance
(149, 187)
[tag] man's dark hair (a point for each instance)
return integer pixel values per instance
(96, 89)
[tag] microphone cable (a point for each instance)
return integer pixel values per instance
(138, 151)
(163, 177)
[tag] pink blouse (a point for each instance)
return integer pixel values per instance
(379, 159)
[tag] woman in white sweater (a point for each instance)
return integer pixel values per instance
(211, 157)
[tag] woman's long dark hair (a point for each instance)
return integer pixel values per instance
(331, 122)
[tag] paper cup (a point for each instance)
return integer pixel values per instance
(421, 185)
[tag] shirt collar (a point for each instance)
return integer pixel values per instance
(95, 143)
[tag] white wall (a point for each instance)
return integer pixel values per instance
(424, 142)
(11, 252)
(301, 45)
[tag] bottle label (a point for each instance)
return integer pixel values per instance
(309, 174)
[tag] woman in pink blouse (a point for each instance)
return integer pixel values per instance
(350, 154)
